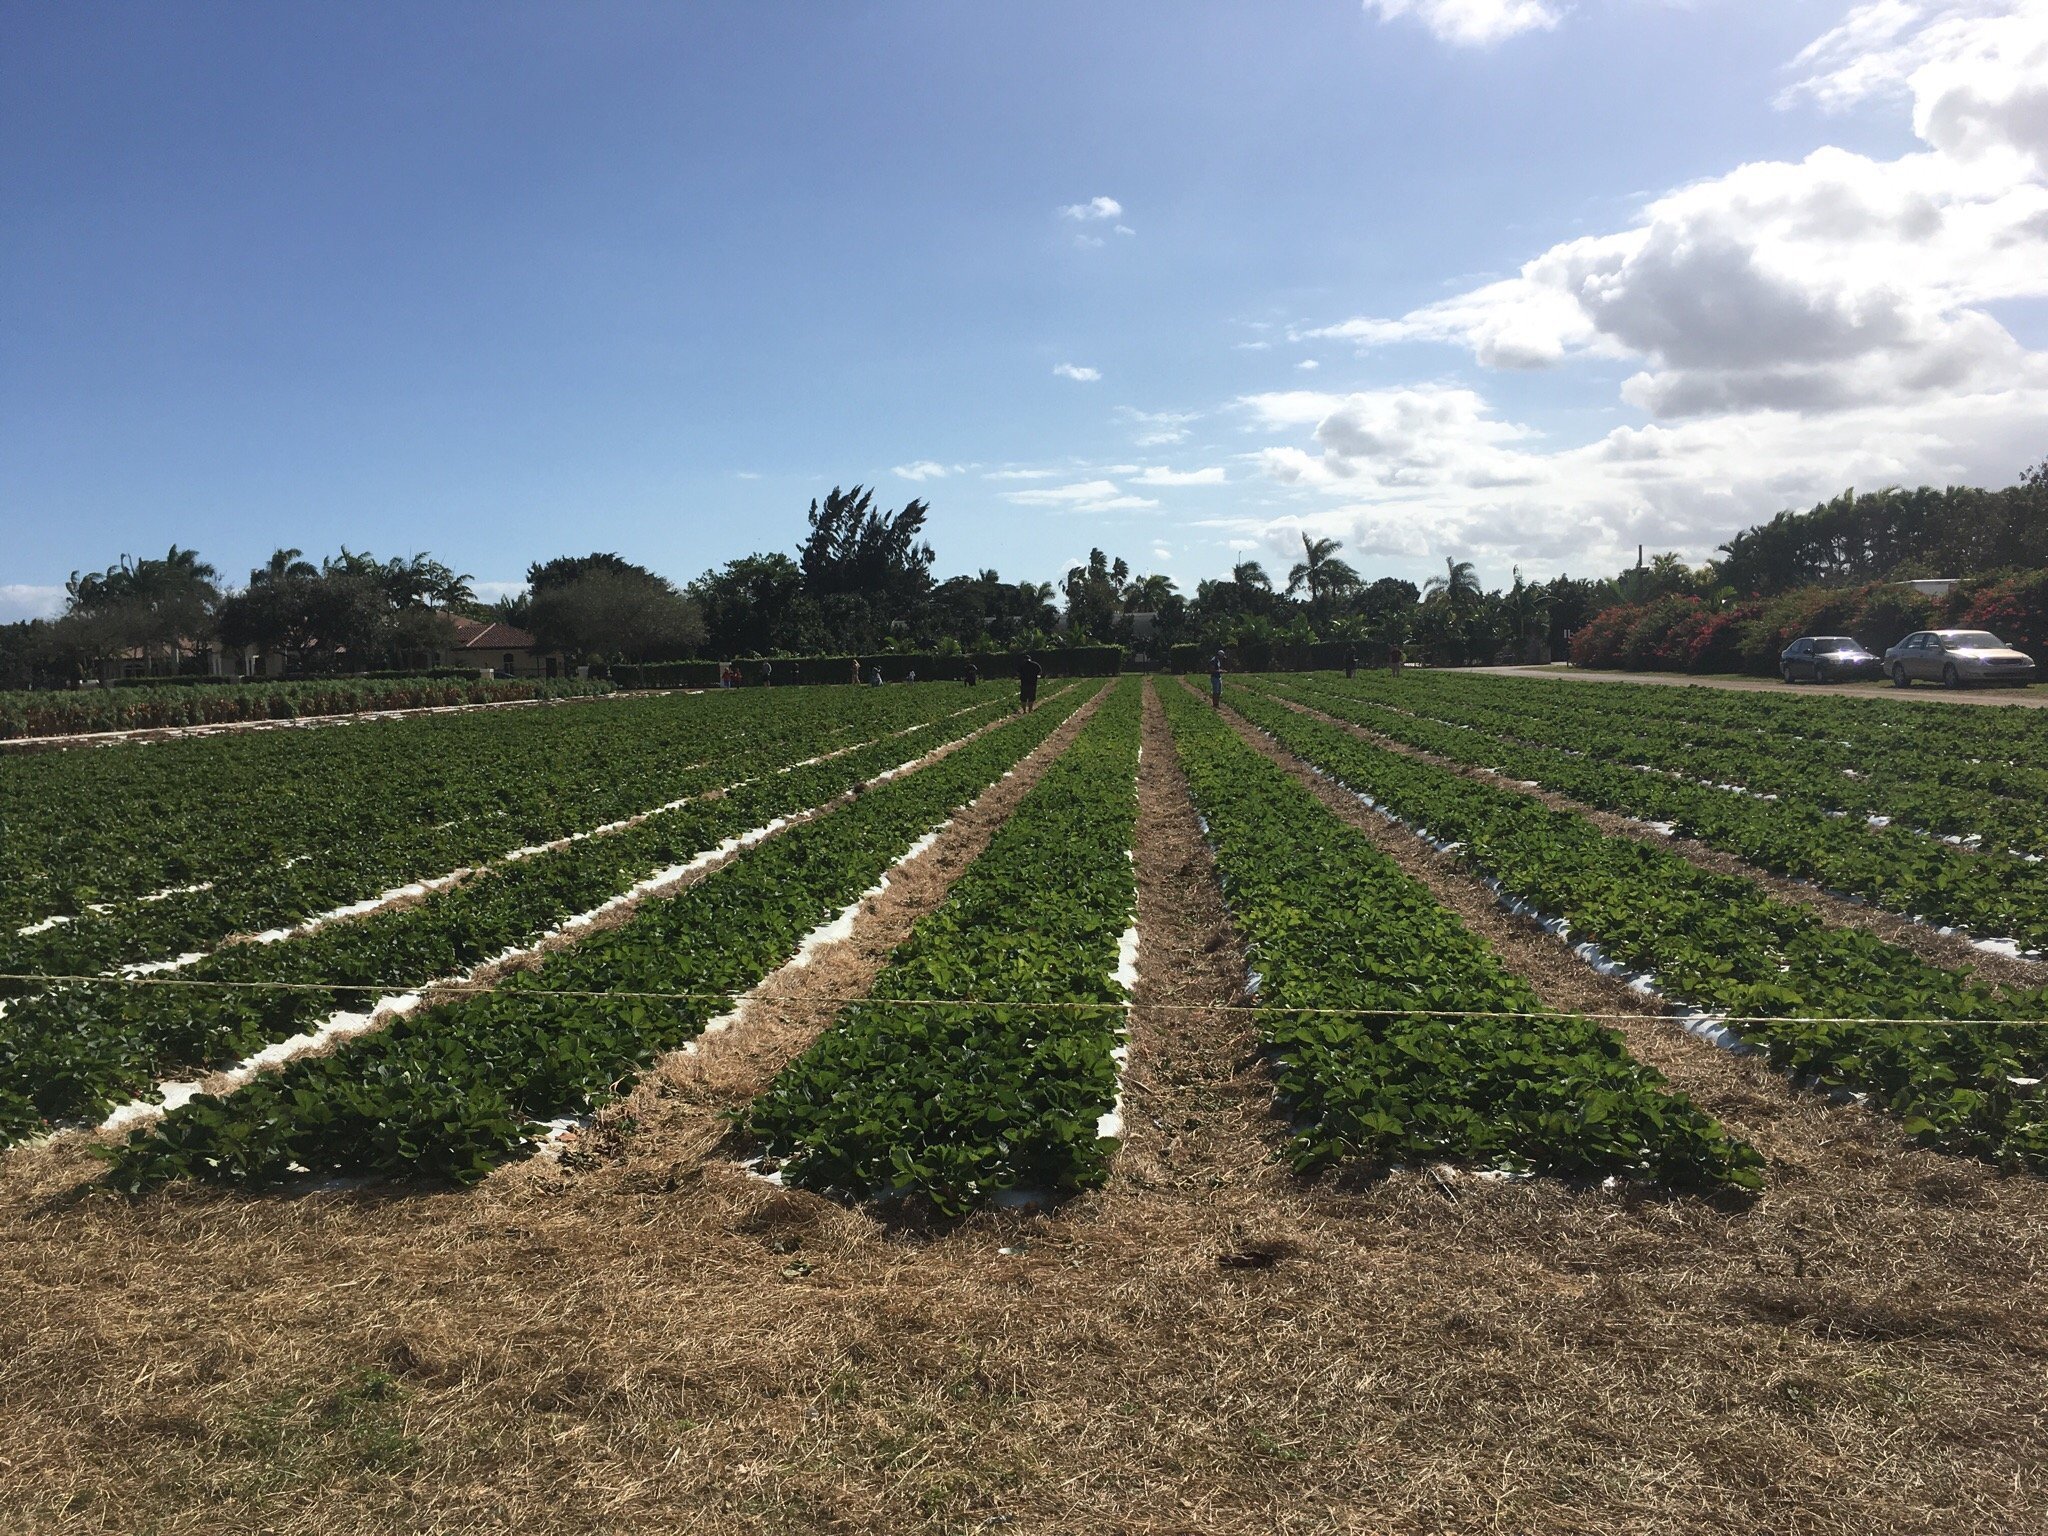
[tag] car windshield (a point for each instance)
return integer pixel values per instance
(1972, 639)
(1832, 643)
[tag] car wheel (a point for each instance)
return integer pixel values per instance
(1950, 677)
(1899, 678)
(1822, 673)
(1785, 671)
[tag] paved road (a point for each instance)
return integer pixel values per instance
(2031, 698)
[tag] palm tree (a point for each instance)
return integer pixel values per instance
(1526, 606)
(282, 566)
(1250, 576)
(1320, 571)
(1148, 594)
(1458, 586)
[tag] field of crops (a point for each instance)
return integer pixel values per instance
(406, 950)
(1453, 1064)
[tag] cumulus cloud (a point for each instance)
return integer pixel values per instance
(1078, 374)
(1081, 496)
(20, 600)
(1155, 474)
(1417, 435)
(921, 469)
(1975, 71)
(1815, 285)
(1470, 23)
(1094, 210)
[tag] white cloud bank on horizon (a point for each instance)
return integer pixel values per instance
(1796, 327)
(1470, 23)
(23, 600)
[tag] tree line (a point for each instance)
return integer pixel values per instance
(861, 579)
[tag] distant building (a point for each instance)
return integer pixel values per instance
(500, 648)
(1932, 586)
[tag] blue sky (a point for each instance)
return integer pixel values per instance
(1523, 281)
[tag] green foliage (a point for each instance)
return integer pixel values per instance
(131, 709)
(1331, 923)
(956, 1103)
(450, 1092)
(1967, 1079)
(76, 1051)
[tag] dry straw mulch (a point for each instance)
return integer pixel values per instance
(643, 1338)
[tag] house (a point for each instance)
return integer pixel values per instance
(501, 648)
(1932, 586)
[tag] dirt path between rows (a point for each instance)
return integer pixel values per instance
(1947, 950)
(647, 1339)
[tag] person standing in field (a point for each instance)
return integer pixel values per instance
(972, 675)
(1394, 658)
(1028, 674)
(767, 674)
(1350, 662)
(856, 671)
(1216, 681)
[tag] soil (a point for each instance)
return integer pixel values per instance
(642, 1337)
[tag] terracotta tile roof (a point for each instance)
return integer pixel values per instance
(475, 635)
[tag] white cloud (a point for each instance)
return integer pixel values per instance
(1078, 374)
(1156, 475)
(491, 591)
(746, 474)
(1470, 23)
(20, 600)
(1157, 429)
(1020, 474)
(1975, 71)
(1096, 208)
(1822, 284)
(1308, 365)
(921, 469)
(1420, 435)
(1081, 496)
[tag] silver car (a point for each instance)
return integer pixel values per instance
(1953, 657)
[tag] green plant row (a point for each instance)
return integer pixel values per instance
(1964, 1075)
(1993, 893)
(450, 1092)
(673, 753)
(1958, 782)
(1332, 923)
(75, 1052)
(130, 709)
(956, 1103)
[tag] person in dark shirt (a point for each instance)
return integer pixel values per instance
(1028, 674)
(973, 676)
(1216, 681)
(1350, 661)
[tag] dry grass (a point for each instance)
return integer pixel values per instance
(649, 1340)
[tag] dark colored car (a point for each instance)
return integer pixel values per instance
(1954, 657)
(1826, 659)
